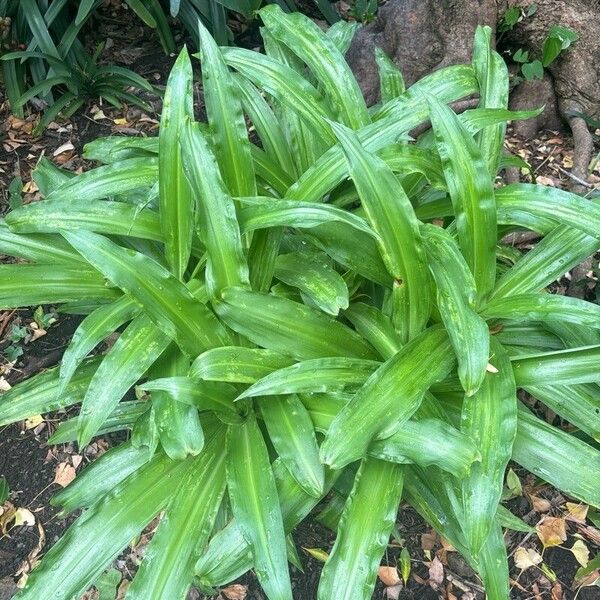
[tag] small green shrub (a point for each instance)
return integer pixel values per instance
(299, 325)
(46, 59)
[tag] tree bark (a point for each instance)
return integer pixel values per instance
(424, 35)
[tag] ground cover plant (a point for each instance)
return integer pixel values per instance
(329, 314)
(43, 57)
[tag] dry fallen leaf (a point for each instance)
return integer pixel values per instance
(543, 180)
(552, 531)
(33, 421)
(393, 592)
(23, 516)
(540, 504)
(64, 474)
(4, 385)
(317, 553)
(526, 558)
(37, 332)
(30, 187)
(33, 558)
(389, 575)
(63, 148)
(557, 592)
(581, 553)
(436, 572)
(577, 512)
(428, 541)
(235, 592)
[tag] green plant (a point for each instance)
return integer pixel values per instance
(214, 14)
(297, 326)
(558, 39)
(16, 335)
(45, 59)
(363, 10)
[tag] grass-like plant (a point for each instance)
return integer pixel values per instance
(43, 57)
(329, 314)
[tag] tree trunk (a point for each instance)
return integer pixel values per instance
(424, 35)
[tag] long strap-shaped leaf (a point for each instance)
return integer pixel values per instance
(256, 506)
(226, 119)
(237, 364)
(109, 180)
(177, 423)
(31, 285)
(123, 417)
(375, 327)
(285, 84)
(111, 218)
(97, 537)
(267, 125)
(550, 453)
(37, 248)
(353, 249)
(544, 307)
(217, 223)
(392, 216)
(228, 555)
(293, 436)
(289, 327)
(317, 375)
(327, 63)
(38, 27)
(493, 563)
(559, 205)
(398, 117)
(572, 335)
(100, 477)
(176, 200)
(457, 298)
(551, 258)
(341, 32)
(167, 569)
(114, 149)
(423, 441)
(305, 146)
(472, 194)
(391, 82)
(132, 354)
(579, 404)
(317, 281)
(405, 159)
(389, 397)
(490, 418)
(168, 302)
(38, 394)
(362, 536)
(579, 365)
(203, 395)
(263, 212)
(97, 326)
(492, 74)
